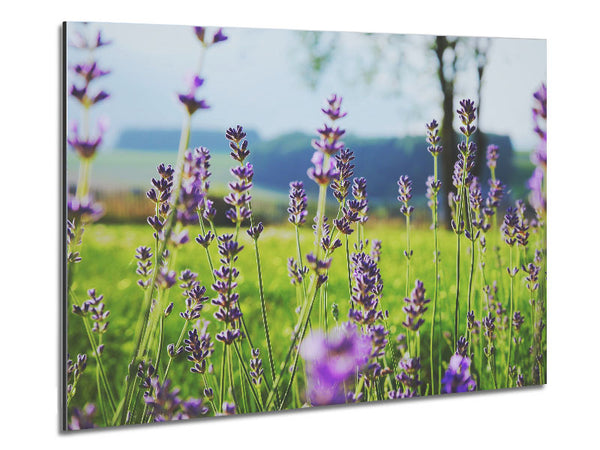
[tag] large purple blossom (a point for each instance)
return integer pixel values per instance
(332, 360)
(457, 377)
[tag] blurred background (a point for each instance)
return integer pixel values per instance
(274, 82)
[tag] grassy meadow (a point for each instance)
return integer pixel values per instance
(110, 269)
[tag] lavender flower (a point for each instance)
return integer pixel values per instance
(433, 138)
(239, 195)
(228, 312)
(194, 301)
(366, 290)
(217, 37)
(165, 403)
(405, 191)
(83, 418)
(333, 110)
(509, 226)
(298, 203)
(256, 370)
(83, 210)
(189, 100)
(360, 204)
(324, 169)
(415, 308)
(144, 265)
(199, 348)
(341, 185)
(255, 231)
(296, 273)
(537, 196)
(457, 377)
(331, 360)
(86, 145)
(492, 156)
(80, 41)
(328, 144)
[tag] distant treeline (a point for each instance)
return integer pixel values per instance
(381, 160)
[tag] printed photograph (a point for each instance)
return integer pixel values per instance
(260, 220)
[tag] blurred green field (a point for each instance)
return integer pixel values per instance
(109, 266)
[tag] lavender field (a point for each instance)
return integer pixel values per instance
(204, 310)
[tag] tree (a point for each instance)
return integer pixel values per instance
(451, 55)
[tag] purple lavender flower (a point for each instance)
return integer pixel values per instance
(83, 418)
(165, 403)
(144, 265)
(405, 191)
(344, 167)
(296, 273)
(457, 377)
(466, 113)
(415, 308)
(333, 111)
(298, 203)
(492, 156)
(199, 348)
(86, 146)
(509, 226)
(331, 360)
(225, 283)
(84, 210)
(537, 197)
(255, 231)
(228, 409)
(366, 290)
(324, 169)
(217, 37)
(433, 138)
(408, 377)
(79, 41)
(360, 204)
(256, 369)
(189, 99)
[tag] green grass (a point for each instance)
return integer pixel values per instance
(109, 266)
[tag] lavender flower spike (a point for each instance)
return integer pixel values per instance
(331, 360)
(458, 378)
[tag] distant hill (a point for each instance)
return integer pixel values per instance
(168, 139)
(381, 160)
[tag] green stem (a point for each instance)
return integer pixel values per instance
(248, 378)
(94, 346)
(264, 310)
(510, 317)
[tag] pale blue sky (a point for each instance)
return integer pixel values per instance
(254, 79)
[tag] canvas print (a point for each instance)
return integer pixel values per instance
(264, 220)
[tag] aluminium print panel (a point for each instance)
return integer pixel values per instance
(259, 220)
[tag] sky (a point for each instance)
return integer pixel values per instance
(257, 79)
